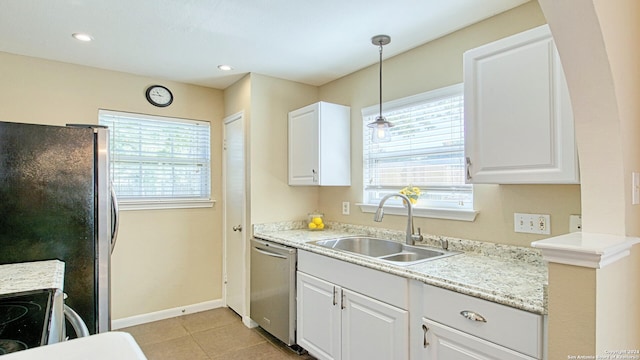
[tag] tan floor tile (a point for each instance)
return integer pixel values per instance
(262, 351)
(157, 331)
(181, 348)
(214, 334)
(227, 338)
(209, 319)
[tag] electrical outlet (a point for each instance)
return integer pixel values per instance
(345, 208)
(532, 223)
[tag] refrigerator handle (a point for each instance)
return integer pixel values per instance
(115, 221)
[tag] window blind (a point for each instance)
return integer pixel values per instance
(426, 150)
(157, 158)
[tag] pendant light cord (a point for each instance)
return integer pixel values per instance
(381, 80)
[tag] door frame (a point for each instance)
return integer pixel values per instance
(239, 116)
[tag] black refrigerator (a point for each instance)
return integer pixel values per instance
(56, 203)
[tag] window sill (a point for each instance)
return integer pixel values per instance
(447, 214)
(164, 204)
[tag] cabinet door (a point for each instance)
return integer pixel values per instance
(318, 317)
(445, 343)
(372, 329)
(304, 145)
(518, 118)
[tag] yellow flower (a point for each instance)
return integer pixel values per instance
(412, 192)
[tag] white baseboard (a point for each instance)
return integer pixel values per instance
(165, 314)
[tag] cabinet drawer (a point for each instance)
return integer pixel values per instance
(379, 285)
(515, 329)
(443, 342)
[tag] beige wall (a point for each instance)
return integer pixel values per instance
(617, 302)
(272, 199)
(431, 66)
(163, 258)
(571, 313)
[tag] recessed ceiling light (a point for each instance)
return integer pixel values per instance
(225, 67)
(82, 37)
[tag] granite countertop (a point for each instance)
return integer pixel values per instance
(21, 277)
(508, 275)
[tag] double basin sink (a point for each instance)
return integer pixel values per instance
(385, 250)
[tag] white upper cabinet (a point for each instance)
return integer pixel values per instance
(320, 145)
(518, 118)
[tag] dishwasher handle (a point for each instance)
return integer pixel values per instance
(269, 253)
(267, 246)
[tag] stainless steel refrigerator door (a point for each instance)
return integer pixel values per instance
(105, 218)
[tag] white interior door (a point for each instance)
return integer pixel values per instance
(235, 231)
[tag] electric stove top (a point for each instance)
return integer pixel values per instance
(25, 319)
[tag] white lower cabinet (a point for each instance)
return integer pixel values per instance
(372, 329)
(446, 343)
(346, 311)
(336, 323)
(319, 319)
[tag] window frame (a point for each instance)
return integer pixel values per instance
(395, 207)
(141, 203)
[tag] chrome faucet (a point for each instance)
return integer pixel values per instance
(411, 237)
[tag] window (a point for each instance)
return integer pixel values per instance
(158, 162)
(426, 151)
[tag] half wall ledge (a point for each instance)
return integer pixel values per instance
(590, 250)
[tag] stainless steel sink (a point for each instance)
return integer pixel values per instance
(363, 245)
(384, 250)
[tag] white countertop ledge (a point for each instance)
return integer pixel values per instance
(590, 250)
(103, 346)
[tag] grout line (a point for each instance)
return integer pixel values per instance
(198, 345)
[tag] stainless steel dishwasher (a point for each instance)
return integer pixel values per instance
(273, 289)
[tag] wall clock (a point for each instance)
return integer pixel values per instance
(159, 95)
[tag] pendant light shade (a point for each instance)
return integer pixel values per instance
(380, 128)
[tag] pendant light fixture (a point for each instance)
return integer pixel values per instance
(380, 127)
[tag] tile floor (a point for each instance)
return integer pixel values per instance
(209, 335)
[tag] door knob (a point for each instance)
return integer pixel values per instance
(237, 228)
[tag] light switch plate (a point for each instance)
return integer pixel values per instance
(532, 223)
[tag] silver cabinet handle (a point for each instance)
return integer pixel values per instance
(473, 316)
(468, 168)
(335, 300)
(237, 228)
(425, 329)
(315, 175)
(342, 302)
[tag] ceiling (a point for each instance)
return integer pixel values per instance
(312, 42)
